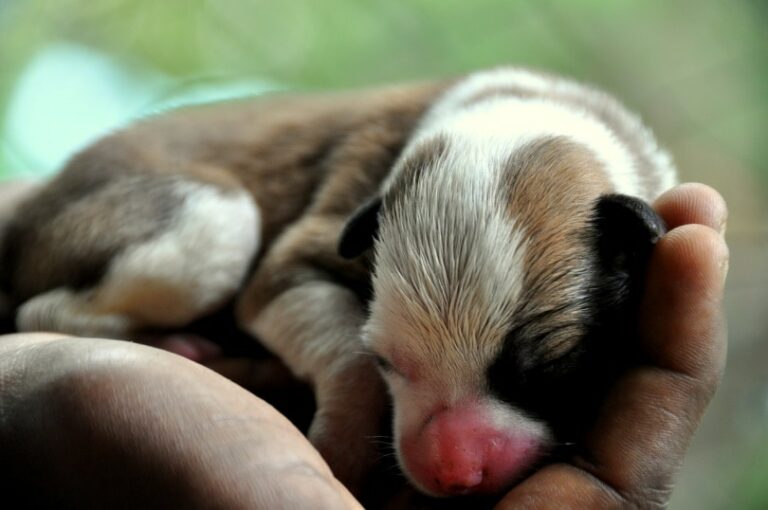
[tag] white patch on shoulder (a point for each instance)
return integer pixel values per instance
(169, 280)
(192, 267)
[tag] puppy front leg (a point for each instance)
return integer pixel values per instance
(315, 329)
(314, 325)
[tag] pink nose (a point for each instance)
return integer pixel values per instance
(460, 451)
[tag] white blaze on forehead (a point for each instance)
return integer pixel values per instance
(515, 120)
(449, 267)
(570, 94)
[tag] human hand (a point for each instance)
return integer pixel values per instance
(629, 459)
(640, 438)
(96, 423)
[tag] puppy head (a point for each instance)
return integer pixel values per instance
(499, 282)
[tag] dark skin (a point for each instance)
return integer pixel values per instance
(94, 423)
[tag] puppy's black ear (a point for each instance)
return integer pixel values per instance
(625, 229)
(360, 231)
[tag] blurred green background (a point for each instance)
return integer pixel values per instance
(696, 70)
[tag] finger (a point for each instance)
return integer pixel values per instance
(682, 324)
(653, 411)
(121, 424)
(649, 417)
(561, 486)
(20, 341)
(693, 203)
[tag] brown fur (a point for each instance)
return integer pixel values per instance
(556, 208)
(360, 161)
(281, 150)
(413, 168)
(604, 108)
(308, 161)
(58, 237)
(501, 91)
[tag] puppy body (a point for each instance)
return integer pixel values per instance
(499, 246)
(159, 223)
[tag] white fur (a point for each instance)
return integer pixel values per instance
(169, 280)
(448, 277)
(514, 121)
(509, 123)
(313, 326)
(461, 252)
(193, 267)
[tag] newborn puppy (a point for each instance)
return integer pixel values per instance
(509, 246)
(484, 239)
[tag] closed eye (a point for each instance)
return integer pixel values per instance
(389, 368)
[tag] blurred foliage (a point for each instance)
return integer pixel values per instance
(698, 65)
(751, 490)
